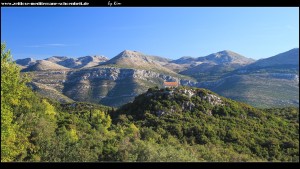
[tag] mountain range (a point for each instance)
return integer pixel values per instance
(215, 65)
(273, 81)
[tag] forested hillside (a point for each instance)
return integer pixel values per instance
(182, 124)
(217, 128)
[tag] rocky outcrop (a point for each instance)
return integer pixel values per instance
(213, 100)
(187, 99)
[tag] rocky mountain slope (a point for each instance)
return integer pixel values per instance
(268, 82)
(260, 90)
(216, 65)
(289, 59)
(108, 86)
(112, 83)
(85, 61)
(42, 65)
(120, 79)
(26, 62)
(137, 60)
(226, 56)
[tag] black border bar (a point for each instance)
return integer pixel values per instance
(150, 3)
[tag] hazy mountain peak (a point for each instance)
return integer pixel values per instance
(60, 57)
(293, 52)
(186, 57)
(290, 57)
(130, 53)
(226, 56)
(25, 62)
(84, 61)
(185, 60)
(44, 65)
(30, 59)
(56, 59)
(294, 49)
(138, 60)
(100, 57)
(229, 53)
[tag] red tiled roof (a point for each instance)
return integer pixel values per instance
(171, 83)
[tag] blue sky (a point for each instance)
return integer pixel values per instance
(169, 32)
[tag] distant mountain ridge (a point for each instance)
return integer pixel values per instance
(290, 57)
(43, 65)
(118, 80)
(215, 65)
(271, 81)
(60, 62)
(85, 61)
(134, 59)
(26, 61)
(226, 56)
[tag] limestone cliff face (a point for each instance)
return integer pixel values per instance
(108, 85)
